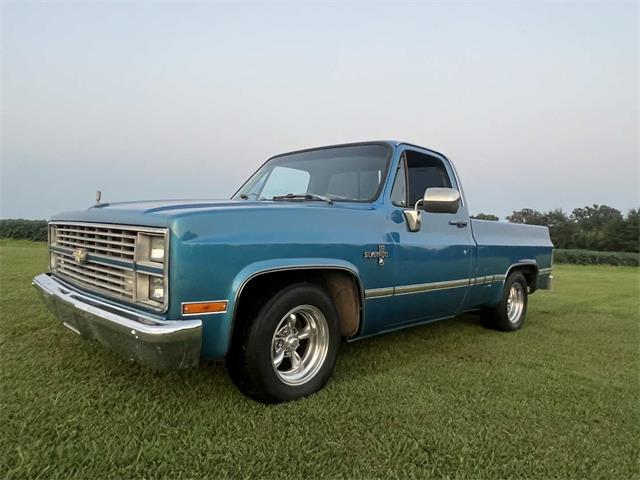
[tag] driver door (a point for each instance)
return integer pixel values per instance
(432, 266)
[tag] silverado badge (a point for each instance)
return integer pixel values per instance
(381, 254)
(80, 255)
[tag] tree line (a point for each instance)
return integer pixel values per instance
(595, 227)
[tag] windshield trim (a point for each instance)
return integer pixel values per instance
(383, 178)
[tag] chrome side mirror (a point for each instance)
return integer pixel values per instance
(435, 200)
(441, 200)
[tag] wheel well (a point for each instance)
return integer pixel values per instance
(342, 286)
(530, 274)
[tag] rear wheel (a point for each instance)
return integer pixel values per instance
(289, 347)
(510, 313)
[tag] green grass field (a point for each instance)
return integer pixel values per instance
(557, 399)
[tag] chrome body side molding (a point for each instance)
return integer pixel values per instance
(544, 283)
(427, 287)
(379, 292)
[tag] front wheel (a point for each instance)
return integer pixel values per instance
(289, 347)
(509, 314)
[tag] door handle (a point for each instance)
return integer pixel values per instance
(458, 223)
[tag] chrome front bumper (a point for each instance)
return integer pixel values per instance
(159, 344)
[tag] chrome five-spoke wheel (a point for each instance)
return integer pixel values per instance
(515, 302)
(509, 314)
(287, 347)
(299, 345)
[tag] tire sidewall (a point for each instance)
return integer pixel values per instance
(506, 323)
(261, 334)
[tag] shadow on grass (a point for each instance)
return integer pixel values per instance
(370, 356)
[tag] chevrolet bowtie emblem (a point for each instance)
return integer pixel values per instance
(80, 255)
(381, 254)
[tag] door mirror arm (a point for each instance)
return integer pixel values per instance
(435, 200)
(414, 217)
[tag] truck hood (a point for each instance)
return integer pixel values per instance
(161, 213)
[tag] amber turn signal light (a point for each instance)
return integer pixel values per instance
(195, 308)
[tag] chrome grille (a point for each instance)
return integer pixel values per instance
(113, 260)
(110, 242)
(113, 280)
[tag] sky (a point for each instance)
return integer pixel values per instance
(535, 103)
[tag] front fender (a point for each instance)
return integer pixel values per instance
(216, 342)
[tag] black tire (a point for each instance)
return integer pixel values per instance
(250, 360)
(498, 317)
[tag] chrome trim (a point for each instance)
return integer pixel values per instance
(379, 292)
(182, 304)
(147, 339)
(383, 179)
(299, 267)
(482, 280)
(128, 269)
(72, 328)
(300, 342)
(515, 302)
(95, 258)
(545, 271)
(441, 200)
(463, 200)
(523, 263)
(432, 286)
(427, 287)
(444, 158)
(414, 219)
(117, 226)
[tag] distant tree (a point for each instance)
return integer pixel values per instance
(561, 229)
(528, 216)
(599, 228)
(630, 234)
(595, 216)
(486, 216)
(594, 227)
(18, 228)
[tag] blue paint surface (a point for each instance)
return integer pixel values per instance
(217, 246)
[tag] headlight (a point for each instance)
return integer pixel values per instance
(156, 249)
(151, 248)
(151, 287)
(156, 289)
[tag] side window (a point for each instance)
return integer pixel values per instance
(424, 171)
(399, 190)
(285, 180)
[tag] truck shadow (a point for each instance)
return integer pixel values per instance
(377, 355)
(391, 351)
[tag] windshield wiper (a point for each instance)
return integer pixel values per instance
(303, 196)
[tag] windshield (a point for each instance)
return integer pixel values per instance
(351, 173)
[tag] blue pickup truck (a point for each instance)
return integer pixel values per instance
(319, 245)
